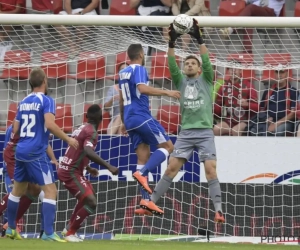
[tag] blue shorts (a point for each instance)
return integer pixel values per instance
(8, 182)
(151, 133)
(39, 171)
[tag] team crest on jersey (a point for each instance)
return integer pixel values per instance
(191, 92)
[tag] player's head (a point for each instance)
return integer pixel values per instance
(122, 66)
(38, 80)
(281, 75)
(192, 66)
(94, 114)
(136, 54)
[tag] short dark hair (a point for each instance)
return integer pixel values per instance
(134, 51)
(37, 77)
(193, 57)
(121, 64)
(93, 111)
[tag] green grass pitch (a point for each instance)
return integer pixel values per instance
(36, 244)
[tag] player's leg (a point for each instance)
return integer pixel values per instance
(41, 172)
(82, 189)
(207, 154)
(152, 133)
(41, 198)
(183, 150)
(21, 180)
(31, 195)
(143, 154)
(78, 206)
(3, 203)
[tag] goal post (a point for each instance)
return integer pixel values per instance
(258, 175)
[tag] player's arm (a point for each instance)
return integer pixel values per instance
(121, 105)
(176, 74)
(207, 69)
(16, 122)
(90, 153)
(16, 10)
(141, 80)
(51, 155)
(93, 5)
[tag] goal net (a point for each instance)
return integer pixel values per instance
(258, 175)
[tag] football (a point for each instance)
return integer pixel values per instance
(182, 24)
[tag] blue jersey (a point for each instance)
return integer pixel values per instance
(34, 137)
(136, 105)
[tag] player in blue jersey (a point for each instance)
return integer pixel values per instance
(34, 122)
(140, 125)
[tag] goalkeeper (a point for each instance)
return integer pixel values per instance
(196, 104)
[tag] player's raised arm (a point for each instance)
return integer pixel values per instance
(176, 74)
(207, 70)
(141, 82)
(49, 111)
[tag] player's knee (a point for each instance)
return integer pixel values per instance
(91, 202)
(34, 190)
(210, 169)
(169, 147)
(174, 166)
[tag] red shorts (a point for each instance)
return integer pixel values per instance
(77, 185)
(10, 162)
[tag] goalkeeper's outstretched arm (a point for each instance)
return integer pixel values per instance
(208, 72)
(176, 74)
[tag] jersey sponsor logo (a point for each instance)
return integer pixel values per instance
(190, 95)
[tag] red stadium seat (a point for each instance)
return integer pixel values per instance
(12, 112)
(55, 64)
(159, 66)
(120, 58)
(169, 118)
(19, 59)
(275, 60)
(231, 8)
(91, 66)
(245, 59)
(105, 119)
(297, 9)
(64, 117)
(121, 7)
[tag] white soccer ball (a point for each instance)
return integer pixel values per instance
(182, 24)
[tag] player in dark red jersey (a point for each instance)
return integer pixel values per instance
(71, 168)
(236, 102)
(33, 190)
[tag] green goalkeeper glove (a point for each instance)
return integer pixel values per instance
(173, 35)
(196, 32)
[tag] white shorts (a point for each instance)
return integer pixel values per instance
(75, 11)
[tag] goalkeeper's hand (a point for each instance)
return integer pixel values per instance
(196, 32)
(173, 35)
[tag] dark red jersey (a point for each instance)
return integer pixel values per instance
(227, 102)
(75, 160)
(9, 151)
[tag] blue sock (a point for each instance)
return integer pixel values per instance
(12, 209)
(49, 209)
(42, 219)
(41, 197)
(155, 159)
(144, 193)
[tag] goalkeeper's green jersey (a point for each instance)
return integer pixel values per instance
(196, 101)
